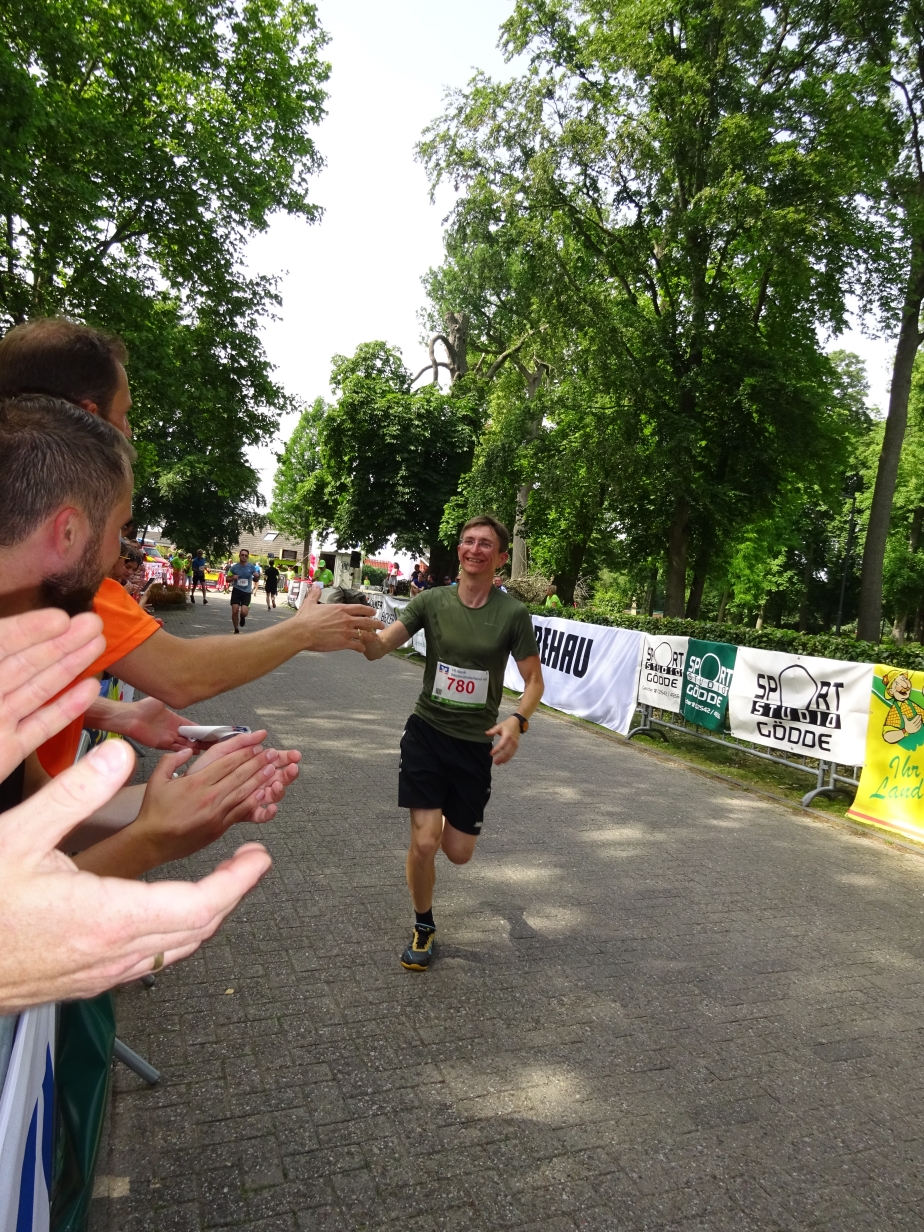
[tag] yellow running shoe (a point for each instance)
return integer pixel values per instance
(418, 954)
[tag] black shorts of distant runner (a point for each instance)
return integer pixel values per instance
(240, 597)
(437, 771)
(270, 588)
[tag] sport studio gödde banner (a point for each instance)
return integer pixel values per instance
(707, 682)
(892, 782)
(817, 707)
(660, 681)
(590, 671)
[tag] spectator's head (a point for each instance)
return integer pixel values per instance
(65, 495)
(129, 560)
(483, 546)
(73, 362)
(553, 590)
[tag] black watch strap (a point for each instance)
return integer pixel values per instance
(523, 721)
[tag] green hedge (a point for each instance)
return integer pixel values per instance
(824, 645)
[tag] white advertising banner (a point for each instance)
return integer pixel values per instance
(660, 680)
(387, 608)
(590, 671)
(26, 1124)
(818, 707)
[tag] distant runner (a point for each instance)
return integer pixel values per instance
(444, 776)
(271, 583)
(242, 576)
(198, 576)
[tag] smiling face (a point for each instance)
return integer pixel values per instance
(480, 553)
(900, 688)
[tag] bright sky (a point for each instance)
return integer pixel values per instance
(355, 276)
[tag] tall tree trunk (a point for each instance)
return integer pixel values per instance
(652, 592)
(567, 580)
(723, 604)
(805, 610)
(698, 585)
(899, 628)
(519, 565)
(678, 539)
(869, 617)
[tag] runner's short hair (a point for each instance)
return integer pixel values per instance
(54, 454)
(58, 357)
(484, 519)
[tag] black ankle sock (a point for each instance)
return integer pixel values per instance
(425, 917)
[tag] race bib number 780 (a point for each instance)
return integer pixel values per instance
(460, 686)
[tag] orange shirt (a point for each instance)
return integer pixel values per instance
(125, 627)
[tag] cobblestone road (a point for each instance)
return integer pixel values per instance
(660, 1003)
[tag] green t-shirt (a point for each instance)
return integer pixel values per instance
(552, 601)
(475, 640)
(323, 577)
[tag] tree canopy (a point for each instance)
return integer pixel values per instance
(140, 147)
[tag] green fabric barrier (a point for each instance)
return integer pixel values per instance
(83, 1068)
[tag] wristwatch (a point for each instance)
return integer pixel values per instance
(524, 723)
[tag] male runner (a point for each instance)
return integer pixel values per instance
(198, 576)
(242, 576)
(271, 584)
(444, 776)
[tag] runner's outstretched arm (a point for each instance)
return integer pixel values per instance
(385, 642)
(181, 671)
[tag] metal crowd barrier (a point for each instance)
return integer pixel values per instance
(828, 780)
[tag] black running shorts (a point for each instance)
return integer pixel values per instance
(240, 597)
(270, 589)
(440, 771)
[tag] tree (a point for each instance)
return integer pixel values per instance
(141, 145)
(388, 459)
(904, 217)
(700, 189)
(299, 463)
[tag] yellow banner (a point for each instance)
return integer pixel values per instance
(891, 792)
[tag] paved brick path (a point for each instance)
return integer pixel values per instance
(660, 1003)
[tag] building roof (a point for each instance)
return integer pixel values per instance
(261, 544)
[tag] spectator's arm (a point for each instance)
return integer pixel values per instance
(181, 671)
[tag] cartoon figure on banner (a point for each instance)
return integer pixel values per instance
(903, 721)
(891, 791)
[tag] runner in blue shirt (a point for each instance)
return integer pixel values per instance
(198, 575)
(242, 582)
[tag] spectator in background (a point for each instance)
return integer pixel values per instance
(499, 583)
(125, 570)
(552, 601)
(198, 565)
(322, 575)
